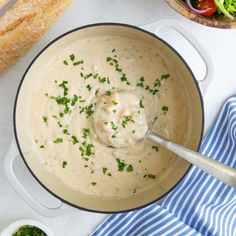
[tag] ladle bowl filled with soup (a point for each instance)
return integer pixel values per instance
(83, 108)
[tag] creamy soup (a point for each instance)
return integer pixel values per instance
(91, 108)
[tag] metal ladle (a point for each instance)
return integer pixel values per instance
(218, 170)
(212, 167)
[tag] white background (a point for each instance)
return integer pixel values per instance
(220, 44)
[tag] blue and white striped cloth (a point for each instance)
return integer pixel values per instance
(199, 205)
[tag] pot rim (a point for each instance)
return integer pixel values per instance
(46, 47)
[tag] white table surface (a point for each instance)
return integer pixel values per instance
(220, 44)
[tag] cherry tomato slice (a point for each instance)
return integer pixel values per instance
(208, 5)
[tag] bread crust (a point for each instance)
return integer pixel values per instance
(3, 66)
(24, 24)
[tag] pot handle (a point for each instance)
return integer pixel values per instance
(164, 23)
(60, 209)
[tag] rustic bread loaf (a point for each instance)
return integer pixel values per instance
(23, 24)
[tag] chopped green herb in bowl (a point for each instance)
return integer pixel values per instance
(29, 230)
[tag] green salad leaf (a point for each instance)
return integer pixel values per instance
(230, 6)
(227, 7)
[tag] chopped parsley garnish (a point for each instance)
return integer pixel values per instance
(63, 164)
(109, 59)
(72, 57)
(74, 100)
(89, 87)
(141, 84)
(45, 120)
(165, 109)
(102, 79)
(81, 150)
(165, 76)
(122, 166)
(126, 120)
(65, 62)
(85, 133)
(134, 191)
(109, 174)
(141, 104)
(88, 110)
(59, 124)
(62, 100)
(64, 86)
(97, 91)
(42, 146)
(150, 176)
(65, 131)
(86, 150)
(156, 148)
(88, 75)
(157, 84)
(66, 110)
(114, 103)
(95, 76)
(104, 170)
(108, 93)
(113, 126)
(123, 78)
(142, 79)
(74, 139)
(68, 103)
(89, 149)
(114, 62)
(129, 168)
(93, 183)
(114, 111)
(78, 63)
(58, 140)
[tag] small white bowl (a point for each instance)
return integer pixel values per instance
(13, 227)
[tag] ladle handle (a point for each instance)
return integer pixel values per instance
(218, 170)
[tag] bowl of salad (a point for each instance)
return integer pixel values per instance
(214, 13)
